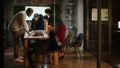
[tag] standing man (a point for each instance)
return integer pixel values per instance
(18, 26)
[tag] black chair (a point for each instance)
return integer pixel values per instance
(67, 41)
(76, 44)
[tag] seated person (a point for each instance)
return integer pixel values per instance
(37, 22)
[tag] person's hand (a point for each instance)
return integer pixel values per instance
(51, 28)
(28, 32)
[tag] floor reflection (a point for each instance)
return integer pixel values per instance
(88, 61)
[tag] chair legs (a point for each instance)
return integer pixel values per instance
(38, 58)
(50, 58)
(77, 50)
(36, 61)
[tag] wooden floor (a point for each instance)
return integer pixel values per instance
(88, 61)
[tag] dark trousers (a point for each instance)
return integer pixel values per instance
(31, 51)
(40, 47)
(17, 36)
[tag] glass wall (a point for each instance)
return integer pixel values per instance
(109, 33)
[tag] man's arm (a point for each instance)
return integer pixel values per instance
(24, 23)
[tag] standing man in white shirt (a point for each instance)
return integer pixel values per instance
(18, 26)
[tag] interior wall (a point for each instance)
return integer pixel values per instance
(79, 17)
(63, 14)
(8, 14)
(8, 10)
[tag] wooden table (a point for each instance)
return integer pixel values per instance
(28, 37)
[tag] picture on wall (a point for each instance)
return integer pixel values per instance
(104, 14)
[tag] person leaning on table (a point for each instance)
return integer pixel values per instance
(17, 27)
(56, 24)
(46, 18)
(37, 22)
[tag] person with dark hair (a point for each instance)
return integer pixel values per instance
(18, 26)
(48, 11)
(46, 18)
(59, 27)
(37, 22)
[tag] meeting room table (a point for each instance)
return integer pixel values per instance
(31, 36)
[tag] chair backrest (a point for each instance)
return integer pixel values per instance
(68, 38)
(79, 39)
